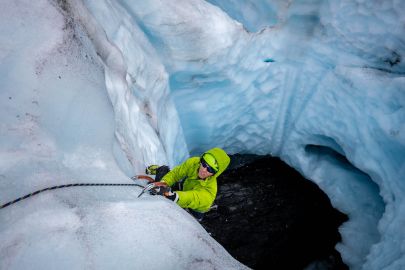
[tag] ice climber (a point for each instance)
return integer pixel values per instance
(195, 179)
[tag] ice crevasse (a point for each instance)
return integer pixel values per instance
(184, 76)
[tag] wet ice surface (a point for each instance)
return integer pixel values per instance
(268, 213)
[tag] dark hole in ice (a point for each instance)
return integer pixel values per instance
(270, 217)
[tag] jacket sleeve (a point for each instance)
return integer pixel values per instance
(178, 173)
(199, 199)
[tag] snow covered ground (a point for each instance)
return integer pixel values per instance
(92, 91)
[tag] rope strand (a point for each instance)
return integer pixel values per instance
(64, 186)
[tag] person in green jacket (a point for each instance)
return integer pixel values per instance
(200, 181)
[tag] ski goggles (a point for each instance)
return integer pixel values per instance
(208, 167)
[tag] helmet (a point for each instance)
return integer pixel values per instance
(210, 160)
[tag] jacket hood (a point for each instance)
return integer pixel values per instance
(221, 157)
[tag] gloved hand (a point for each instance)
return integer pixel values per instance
(154, 188)
(172, 196)
(161, 188)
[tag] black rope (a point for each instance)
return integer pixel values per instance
(64, 186)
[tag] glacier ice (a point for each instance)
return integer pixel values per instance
(59, 127)
(93, 91)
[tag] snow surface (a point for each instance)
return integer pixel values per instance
(92, 91)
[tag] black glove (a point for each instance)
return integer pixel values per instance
(172, 196)
(159, 190)
(166, 191)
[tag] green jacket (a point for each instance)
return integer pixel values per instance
(197, 194)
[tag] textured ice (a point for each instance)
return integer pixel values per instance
(91, 91)
(80, 232)
(69, 115)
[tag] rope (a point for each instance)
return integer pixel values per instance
(64, 186)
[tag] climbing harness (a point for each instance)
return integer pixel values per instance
(136, 177)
